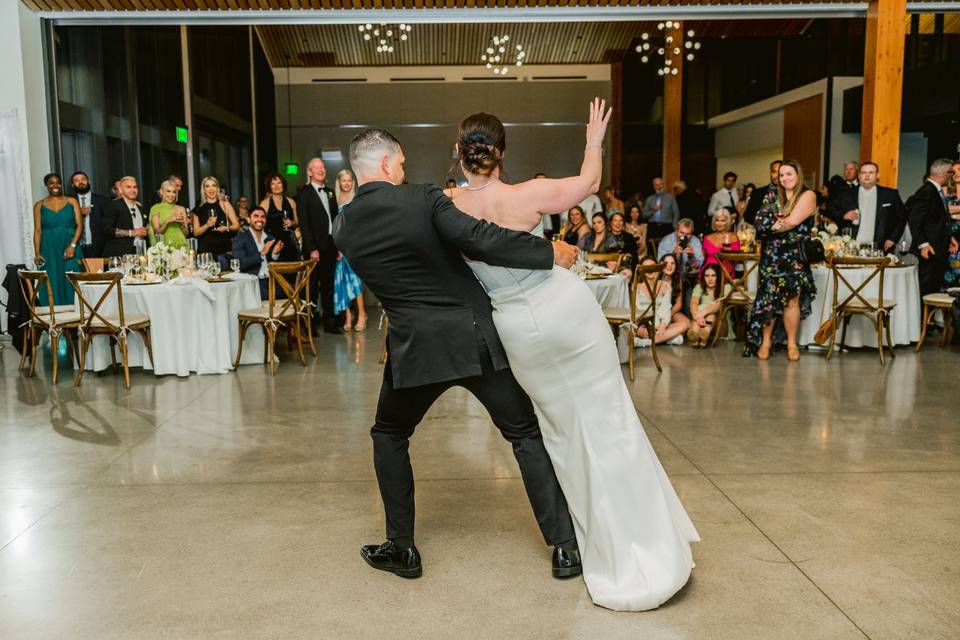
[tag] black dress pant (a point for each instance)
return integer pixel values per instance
(931, 271)
(321, 283)
(401, 410)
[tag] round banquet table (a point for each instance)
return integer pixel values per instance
(193, 325)
(613, 291)
(900, 285)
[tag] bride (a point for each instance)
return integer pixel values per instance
(634, 534)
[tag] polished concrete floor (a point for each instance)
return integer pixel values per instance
(827, 496)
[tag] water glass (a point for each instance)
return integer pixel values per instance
(234, 265)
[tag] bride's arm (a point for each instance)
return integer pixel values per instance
(549, 196)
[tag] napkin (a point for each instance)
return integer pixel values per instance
(198, 283)
(238, 275)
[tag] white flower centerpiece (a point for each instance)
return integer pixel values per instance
(167, 261)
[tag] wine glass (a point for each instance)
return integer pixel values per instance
(234, 265)
(114, 263)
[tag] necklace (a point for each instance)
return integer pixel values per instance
(481, 187)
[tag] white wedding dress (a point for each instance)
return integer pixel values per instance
(634, 534)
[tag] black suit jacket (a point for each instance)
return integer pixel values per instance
(891, 214)
(314, 228)
(116, 215)
(839, 194)
(97, 204)
(929, 219)
(756, 202)
(245, 250)
(407, 244)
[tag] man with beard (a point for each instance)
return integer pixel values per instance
(761, 196)
(91, 208)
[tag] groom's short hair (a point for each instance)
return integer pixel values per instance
(369, 145)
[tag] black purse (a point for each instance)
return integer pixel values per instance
(811, 251)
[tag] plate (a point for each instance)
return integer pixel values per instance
(598, 276)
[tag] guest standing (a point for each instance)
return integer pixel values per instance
(722, 239)
(762, 196)
(786, 288)
(689, 205)
(254, 248)
(930, 227)
(347, 286)
(169, 221)
(726, 196)
(156, 198)
(282, 216)
(876, 214)
(840, 189)
(576, 226)
(57, 225)
(124, 223)
(660, 211)
(243, 211)
(214, 222)
(91, 208)
(318, 208)
(612, 204)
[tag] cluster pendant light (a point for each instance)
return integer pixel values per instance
(385, 36)
(500, 55)
(664, 45)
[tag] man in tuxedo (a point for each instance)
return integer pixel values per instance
(407, 242)
(726, 196)
(317, 208)
(876, 214)
(255, 249)
(91, 207)
(763, 194)
(840, 191)
(123, 224)
(930, 226)
(660, 211)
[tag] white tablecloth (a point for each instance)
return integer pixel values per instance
(613, 291)
(900, 284)
(190, 332)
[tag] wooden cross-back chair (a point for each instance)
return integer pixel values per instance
(604, 258)
(56, 320)
(94, 321)
(877, 309)
(291, 312)
(92, 265)
(636, 315)
(740, 297)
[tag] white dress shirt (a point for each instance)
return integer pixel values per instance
(326, 204)
(591, 205)
(85, 199)
(867, 205)
(260, 240)
(722, 198)
(137, 216)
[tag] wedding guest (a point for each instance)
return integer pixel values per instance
(123, 225)
(57, 225)
(666, 331)
(591, 205)
(254, 248)
(760, 197)
(612, 204)
(685, 246)
(91, 208)
(679, 288)
(636, 227)
(951, 277)
(691, 206)
(839, 192)
(725, 196)
(626, 244)
(169, 221)
(722, 239)
(156, 197)
(282, 216)
(318, 206)
(242, 207)
(786, 287)
(598, 239)
(576, 226)
(744, 191)
(347, 286)
(876, 214)
(553, 224)
(705, 303)
(930, 227)
(214, 222)
(660, 211)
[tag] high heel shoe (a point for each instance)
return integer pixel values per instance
(793, 353)
(763, 353)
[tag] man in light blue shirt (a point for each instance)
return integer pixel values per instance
(660, 210)
(685, 246)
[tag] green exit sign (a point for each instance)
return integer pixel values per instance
(182, 135)
(291, 169)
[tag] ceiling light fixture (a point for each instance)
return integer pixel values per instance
(386, 36)
(662, 44)
(500, 54)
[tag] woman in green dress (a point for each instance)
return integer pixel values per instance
(57, 225)
(168, 220)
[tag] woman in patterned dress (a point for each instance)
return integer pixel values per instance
(347, 286)
(786, 287)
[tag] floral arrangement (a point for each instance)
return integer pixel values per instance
(166, 261)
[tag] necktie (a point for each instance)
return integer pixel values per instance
(732, 203)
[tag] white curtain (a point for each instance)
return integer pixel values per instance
(16, 215)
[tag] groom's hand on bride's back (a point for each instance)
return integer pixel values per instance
(564, 255)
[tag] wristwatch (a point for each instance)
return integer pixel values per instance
(73, 245)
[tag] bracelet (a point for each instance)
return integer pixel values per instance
(594, 146)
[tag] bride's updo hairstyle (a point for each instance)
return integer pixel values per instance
(482, 141)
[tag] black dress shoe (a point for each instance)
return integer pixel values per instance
(390, 557)
(566, 563)
(332, 329)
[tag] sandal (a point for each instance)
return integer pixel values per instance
(763, 353)
(361, 325)
(793, 353)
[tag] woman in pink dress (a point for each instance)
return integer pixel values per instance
(722, 239)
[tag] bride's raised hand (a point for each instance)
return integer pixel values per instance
(597, 122)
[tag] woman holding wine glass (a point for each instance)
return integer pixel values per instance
(281, 215)
(214, 221)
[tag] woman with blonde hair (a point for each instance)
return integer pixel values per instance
(168, 220)
(786, 287)
(722, 239)
(214, 221)
(347, 286)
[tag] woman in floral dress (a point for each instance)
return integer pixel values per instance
(786, 287)
(347, 286)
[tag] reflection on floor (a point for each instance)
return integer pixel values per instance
(234, 506)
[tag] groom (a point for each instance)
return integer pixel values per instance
(407, 242)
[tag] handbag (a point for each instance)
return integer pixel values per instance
(811, 251)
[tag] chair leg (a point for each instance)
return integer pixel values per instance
(716, 334)
(73, 345)
(145, 334)
(923, 329)
(27, 334)
(886, 326)
(945, 334)
(113, 353)
(299, 339)
(878, 327)
(309, 323)
(243, 332)
(651, 330)
(55, 352)
(631, 348)
(126, 365)
(843, 334)
(83, 360)
(271, 338)
(34, 348)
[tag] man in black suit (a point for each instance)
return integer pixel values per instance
(763, 194)
(317, 208)
(91, 207)
(930, 227)
(692, 207)
(876, 214)
(255, 249)
(123, 224)
(840, 190)
(407, 243)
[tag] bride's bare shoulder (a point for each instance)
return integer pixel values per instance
(454, 192)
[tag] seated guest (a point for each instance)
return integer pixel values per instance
(57, 225)
(678, 291)
(214, 221)
(685, 246)
(169, 221)
(626, 244)
(722, 239)
(666, 329)
(636, 227)
(705, 303)
(255, 248)
(598, 239)
(576, 226)
(91, 208)
(123, 225)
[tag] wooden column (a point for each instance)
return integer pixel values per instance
(673, 108)
(616, 125)
(883, 86)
